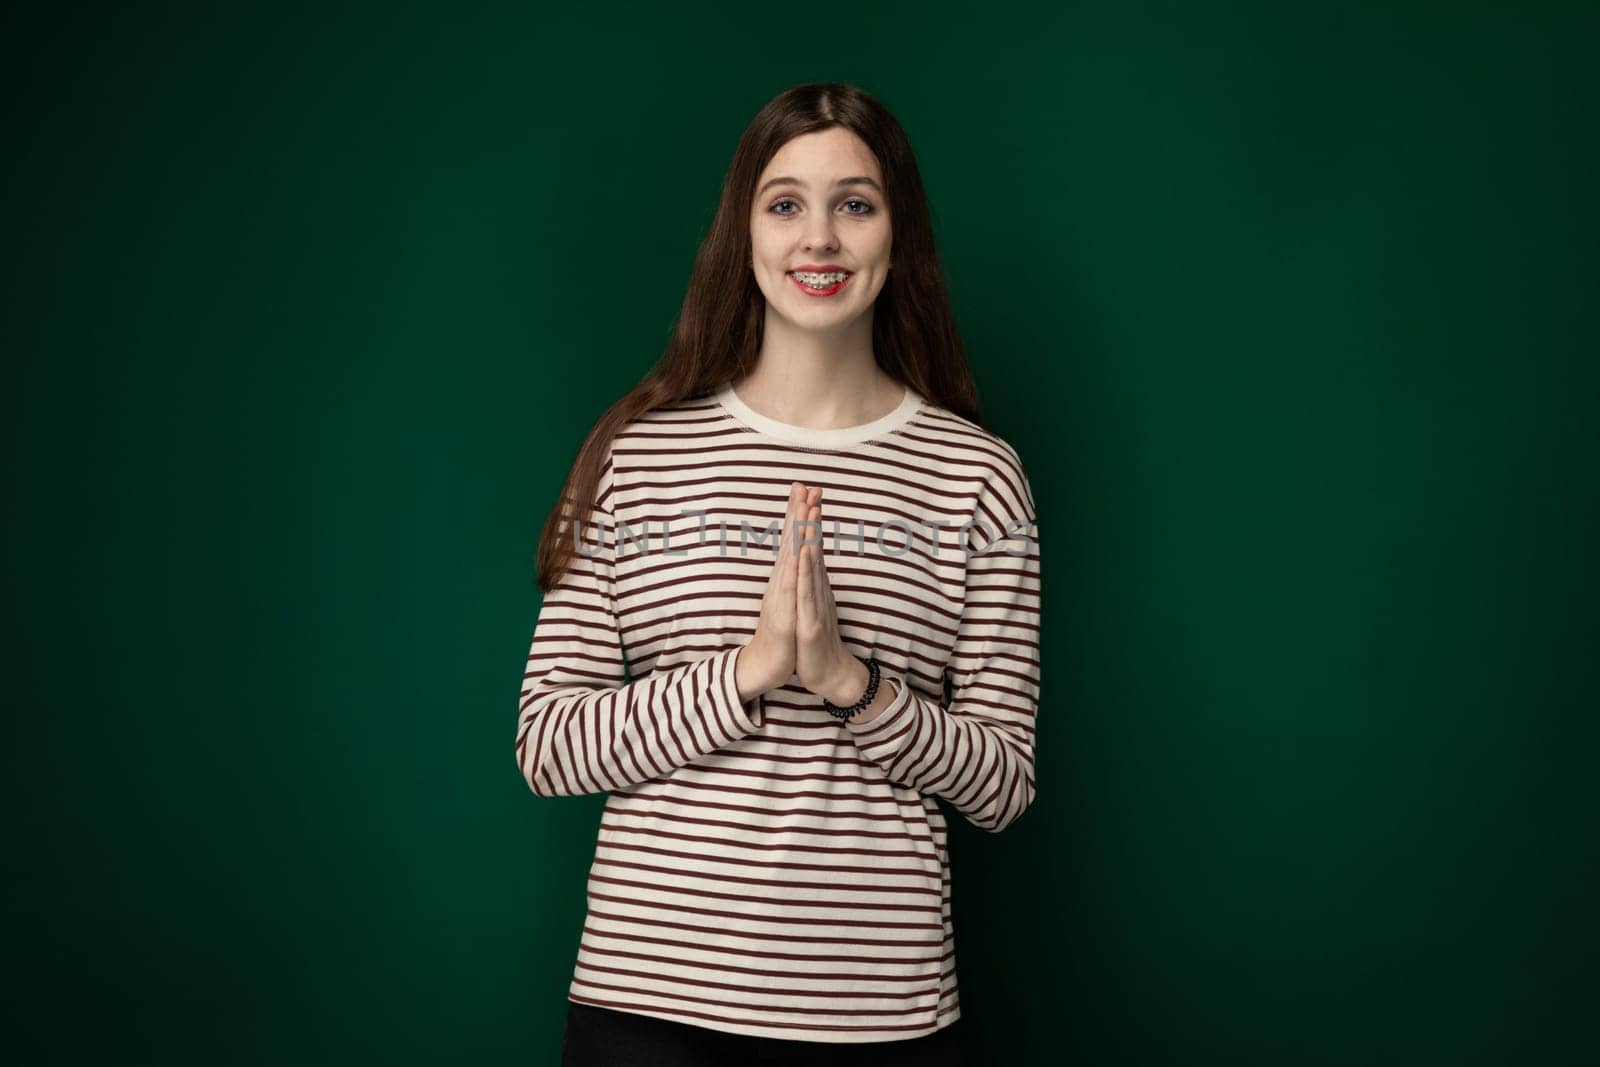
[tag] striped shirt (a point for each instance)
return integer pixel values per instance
(763, 868)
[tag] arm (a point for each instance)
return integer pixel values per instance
(977, 753)
(579, 728)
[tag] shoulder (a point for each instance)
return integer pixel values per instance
(981, 453)
(659, 437)
(674, 424)
(963, 435)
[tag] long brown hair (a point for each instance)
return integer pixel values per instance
(717, 337)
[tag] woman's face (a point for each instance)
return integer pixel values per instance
(820, 204)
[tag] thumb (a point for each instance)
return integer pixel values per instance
(786, 581)
(801, 574)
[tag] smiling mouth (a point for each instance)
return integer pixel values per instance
(823, 283)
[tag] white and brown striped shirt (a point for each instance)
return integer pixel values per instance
(764, 868)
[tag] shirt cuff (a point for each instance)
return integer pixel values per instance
(746, 715)
(891, 720)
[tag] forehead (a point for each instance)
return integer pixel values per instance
(819, 157)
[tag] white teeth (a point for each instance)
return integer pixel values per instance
(820, 281)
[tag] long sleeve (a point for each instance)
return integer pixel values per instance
(977, 753)
(580, 729)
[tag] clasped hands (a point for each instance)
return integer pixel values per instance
(798, 632)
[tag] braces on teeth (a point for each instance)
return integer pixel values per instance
(820, 281)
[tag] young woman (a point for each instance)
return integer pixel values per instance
(802, 605)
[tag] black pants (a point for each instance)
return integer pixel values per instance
(603, 1037)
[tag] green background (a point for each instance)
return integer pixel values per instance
(1289, 310)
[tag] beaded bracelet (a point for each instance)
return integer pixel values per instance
(866, 698)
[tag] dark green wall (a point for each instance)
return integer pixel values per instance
(1289, 310)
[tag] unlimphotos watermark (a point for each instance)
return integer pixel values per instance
(1015, 538)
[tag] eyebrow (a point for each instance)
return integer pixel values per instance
(859, 180)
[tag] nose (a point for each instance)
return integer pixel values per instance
(819, 232)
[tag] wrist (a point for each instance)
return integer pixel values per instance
(847, 684)
(752, 675)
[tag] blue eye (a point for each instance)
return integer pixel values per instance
(853, 200)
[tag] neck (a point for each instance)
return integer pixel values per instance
(821, 380)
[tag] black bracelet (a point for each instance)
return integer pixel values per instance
(866, 698)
